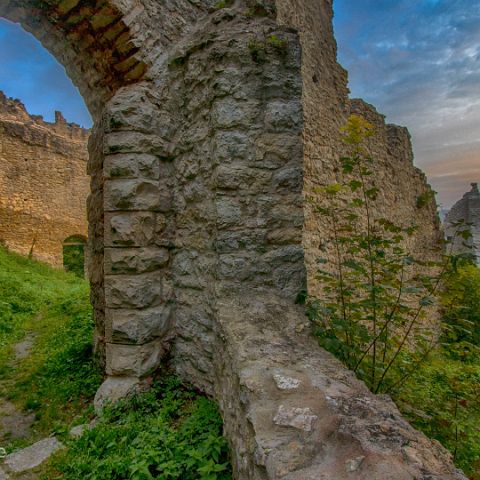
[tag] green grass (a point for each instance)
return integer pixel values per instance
(58, 379)
(169, 432)
(442, 399)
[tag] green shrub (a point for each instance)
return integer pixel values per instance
(74, 259)
(167, 433)
(375, 294)
(461, 304)
(442, 399)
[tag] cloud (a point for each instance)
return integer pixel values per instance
(419, 63)
(30, 73)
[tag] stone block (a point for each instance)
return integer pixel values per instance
(273, 150)
(136, 194)
(289, 179)
(133, 291)
(131, 228)
(248, 239)
(114, 389)
(136, 142)
(137, 326)
(289, 279)
(234, 177)
(285, 236)
(134, 360)
(229, 212)
(134, 260)
(242, 267)
(132, 109)
(228, 113)
(232, 146)
(283, 116)
(191, 269)
(131, 165)
(283, 255)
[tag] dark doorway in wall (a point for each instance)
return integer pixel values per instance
(74, 254)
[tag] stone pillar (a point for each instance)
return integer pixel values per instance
(138, 292)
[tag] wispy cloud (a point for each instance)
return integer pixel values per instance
(30, 73)
(419, 63)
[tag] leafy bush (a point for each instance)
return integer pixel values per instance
(373, 305)
(74, 259)
(442, 399)
(375, 295)
(461, 304)
(167, 433)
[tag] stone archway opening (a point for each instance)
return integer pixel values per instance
(74, 255)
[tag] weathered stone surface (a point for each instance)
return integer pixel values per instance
(296, 417)
(138, 326)
(131, 228)
(114, 389)
(243, 131)
(32, 456)
(135, 260)
(132, 166)
(465, 216)
(286, 383)
(134, 360)
(329, 427)
(43, 182)
(134, 291)
(3, 475)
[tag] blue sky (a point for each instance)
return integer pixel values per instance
(417, 61)
(30, 73)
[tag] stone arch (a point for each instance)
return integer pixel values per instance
(91, 39)
(205, 137)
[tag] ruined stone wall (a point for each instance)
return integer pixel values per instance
(326, 107)
(405, 197)
(43, 182)
(465, 215)
(210, 126)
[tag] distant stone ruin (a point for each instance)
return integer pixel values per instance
(43, 182)
(467, 212)
(213, 121)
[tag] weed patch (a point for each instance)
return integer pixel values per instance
(167, 433)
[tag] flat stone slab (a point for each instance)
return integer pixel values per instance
(32, 456)
(14, 423)
(22, 349)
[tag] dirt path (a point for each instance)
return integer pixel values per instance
(15, 424)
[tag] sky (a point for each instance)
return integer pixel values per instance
(28, 72)
(417, 61)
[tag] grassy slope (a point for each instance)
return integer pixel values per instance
(170, 432)
(58, 379)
